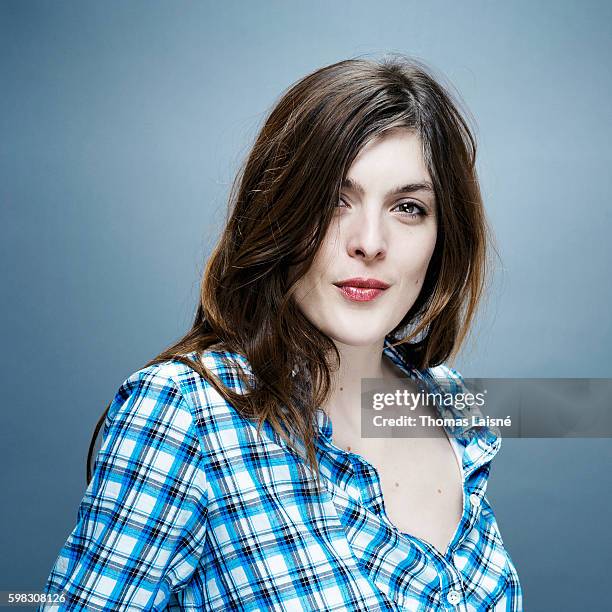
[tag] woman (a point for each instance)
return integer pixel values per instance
(355, 248)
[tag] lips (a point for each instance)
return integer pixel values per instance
(364, 283)
(361, 289)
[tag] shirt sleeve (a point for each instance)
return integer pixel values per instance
(141, 525)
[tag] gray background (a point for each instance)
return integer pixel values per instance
(122, 125)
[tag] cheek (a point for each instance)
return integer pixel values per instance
(321, 266)
(307, 286)
(317, 270)
(415, 260)
(302, 289)
(413, 277)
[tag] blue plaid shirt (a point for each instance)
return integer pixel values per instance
(189, 510)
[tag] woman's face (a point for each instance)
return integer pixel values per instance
(384, 229)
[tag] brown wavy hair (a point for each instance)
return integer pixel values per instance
(281, 204)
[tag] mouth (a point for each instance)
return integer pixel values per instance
(361, 289)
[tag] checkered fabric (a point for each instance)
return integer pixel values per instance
(189, 509)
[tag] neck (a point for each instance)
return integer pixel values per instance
(356, 362)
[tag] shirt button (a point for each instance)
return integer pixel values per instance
(453, 597)
(474, 500)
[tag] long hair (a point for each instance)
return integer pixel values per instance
(281, 204)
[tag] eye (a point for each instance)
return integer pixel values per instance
(416, 209)
(341, 201)
(409, 209)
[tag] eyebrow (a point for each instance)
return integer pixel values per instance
(348, 183)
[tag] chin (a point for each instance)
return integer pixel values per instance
(353, 337)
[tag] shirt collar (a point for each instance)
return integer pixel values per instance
(482, 441)
(436, 380)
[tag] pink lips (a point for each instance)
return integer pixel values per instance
(361, 289)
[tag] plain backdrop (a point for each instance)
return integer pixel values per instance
(122, 126)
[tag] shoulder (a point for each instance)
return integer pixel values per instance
(175, 375)
(147, 401)
(173, 389)
(446, 378)
(450, 381)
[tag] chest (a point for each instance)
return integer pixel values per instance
(421, 483)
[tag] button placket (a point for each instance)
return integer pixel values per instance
(451, 585)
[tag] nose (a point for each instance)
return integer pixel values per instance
(366, 238)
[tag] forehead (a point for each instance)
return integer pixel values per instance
(394, 156)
